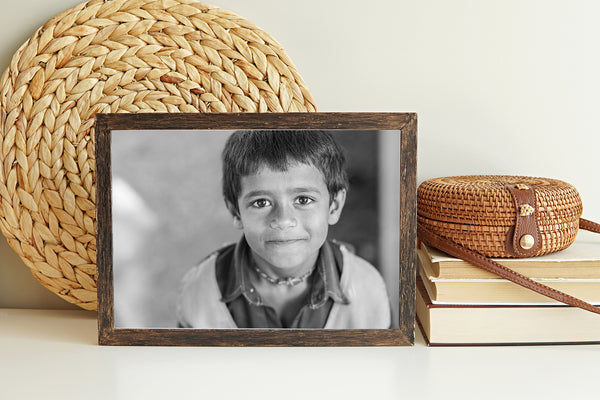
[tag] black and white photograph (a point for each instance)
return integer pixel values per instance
(255, 229)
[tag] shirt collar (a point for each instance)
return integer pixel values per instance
(325, 281)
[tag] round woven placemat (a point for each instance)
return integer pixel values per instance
(115, 56)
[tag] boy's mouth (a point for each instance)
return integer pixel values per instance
(283, 242)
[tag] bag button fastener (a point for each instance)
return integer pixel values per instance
(527, 242)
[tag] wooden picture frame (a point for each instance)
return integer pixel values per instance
(117, 207)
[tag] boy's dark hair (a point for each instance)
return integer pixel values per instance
(246, 151)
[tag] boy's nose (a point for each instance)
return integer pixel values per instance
(283, 218)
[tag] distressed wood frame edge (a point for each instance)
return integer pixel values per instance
(406, 123)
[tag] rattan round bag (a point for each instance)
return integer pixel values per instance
(115, 56)
(483, 213)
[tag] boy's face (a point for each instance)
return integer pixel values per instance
(285, 216)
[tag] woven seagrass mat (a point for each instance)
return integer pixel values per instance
(115, 56)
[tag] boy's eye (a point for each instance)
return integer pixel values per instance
(304, 201)
(260, 203)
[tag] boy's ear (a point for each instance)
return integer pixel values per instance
(336, 206)
(237, 222)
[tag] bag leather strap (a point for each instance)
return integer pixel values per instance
(454, 249)
(589, 225)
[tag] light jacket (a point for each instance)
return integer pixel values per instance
(200, 304)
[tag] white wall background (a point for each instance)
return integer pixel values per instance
(500, 87)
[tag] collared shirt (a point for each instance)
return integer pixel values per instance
(233, 268)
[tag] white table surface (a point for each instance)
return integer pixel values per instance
(46, 354)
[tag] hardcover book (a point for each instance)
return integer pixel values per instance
(581, 260)
(478, 324)
(493, 289)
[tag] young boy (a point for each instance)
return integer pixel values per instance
(284, 189)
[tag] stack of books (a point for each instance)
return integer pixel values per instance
(459, 303)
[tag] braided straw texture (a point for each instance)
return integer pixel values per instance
(115, 56)
(478, 212)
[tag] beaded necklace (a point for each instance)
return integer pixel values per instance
(289, 281)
